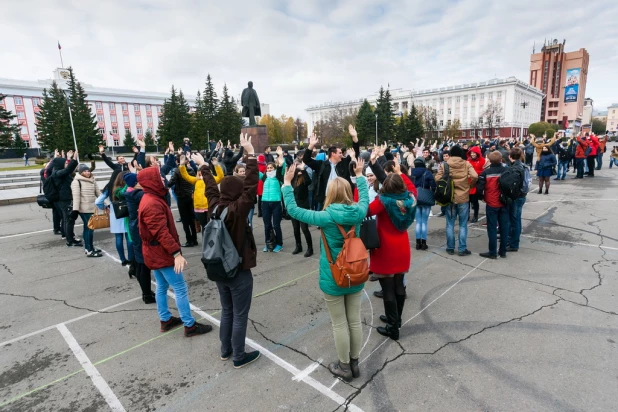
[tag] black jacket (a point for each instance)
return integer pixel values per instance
(133, 198)
(116, 169)
(182, 188)
(62, 180)
(230, 160)
(301, 191)
(321, 171)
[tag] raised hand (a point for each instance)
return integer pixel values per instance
(245, 142)
(198, 159)
(360, 165)
(350, 152)
(69, 154)
(313, 140)
(135, 149)
(141, 143)
(183, 160)
(279, 151)
(289, 174)
(132, 168)
(352, 132)
(101, 149)
(374, 155)
(170, 145)
(397, 167)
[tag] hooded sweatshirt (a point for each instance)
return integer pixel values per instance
(479, 164)
(156, 222)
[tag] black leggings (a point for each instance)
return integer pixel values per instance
(185, 210)
(474, 203)
(392, 286)
(142, 273)
(305, 228)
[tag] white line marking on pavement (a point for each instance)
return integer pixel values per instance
(370, 328)
(307, 371)
(421, 311)
(87, 315)
(90, 369)
(572, 200)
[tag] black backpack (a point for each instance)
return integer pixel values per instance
(510, 183)
(445, 188)
(563, 154)
(50, 189)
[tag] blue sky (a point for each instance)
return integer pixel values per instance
(301, 53)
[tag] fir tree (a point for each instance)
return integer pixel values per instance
(228, 118)
(168, 119)
(365, 124)
(128, 141)
(414, 125)
(151, 144)
(402, 132)
(198, 131)
(84, 121)
(211, 108)
(386, 120)
(183, 119)
(19, 145)
(7, 130)
(53, 124)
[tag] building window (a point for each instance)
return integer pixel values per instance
(35, 101)
(449, 112)
(465, 97)
(113, 118)
(499, 95)
(458, 99)
(149, 119)
(136, 107)
(100, 117)
(138, 119)
(124, 106)
(116, 142)
(102, 131)
(21, 115)
(24, 129)
(149, 130)
(125, 118)
(482, 96)
(27, 142)
(148, 108)
(442, 100)
(474, 97)
(112, 106)
(448, 122)
(159, 109)
(463, 134)
(18, 101)
(441, 122)
(114, 130)
(140, 131)
(98, 105)
(449, 100)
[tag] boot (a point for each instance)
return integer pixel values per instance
(299, 248)
(546, 191)
(418, 244)
(391, 329)
(341, 370)
(149, 298)
(424, 245)
(540, 191)
(401, 300)
(132, 269)
(309, 251)
(354, 367)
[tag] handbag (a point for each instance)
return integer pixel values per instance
(98, 221)
(369, 233)
(121, 209)
(42, 200)
(425, 196)
(351, 268)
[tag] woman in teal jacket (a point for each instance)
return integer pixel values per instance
(343, 303)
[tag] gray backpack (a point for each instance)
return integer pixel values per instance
(219, 255)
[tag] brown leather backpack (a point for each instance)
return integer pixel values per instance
(352, 265)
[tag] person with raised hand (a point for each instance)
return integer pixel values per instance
(62, 171)
(343, 302)
(237, 196)
(272, 210)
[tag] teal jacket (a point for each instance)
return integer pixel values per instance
(272, 185)
(345, 215)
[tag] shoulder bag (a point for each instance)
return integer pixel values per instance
(425, 196)
(369, 233)
(98, 220)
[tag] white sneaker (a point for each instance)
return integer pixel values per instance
(430, 213)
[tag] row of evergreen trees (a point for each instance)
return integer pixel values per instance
(8, 130)
(213, 119)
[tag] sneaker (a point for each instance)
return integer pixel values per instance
(465, 253)
(474, 220)
(503, 255)
(265, 249)
(488, 255)
(57, 232)
(249, 358)
(170, 324)
(75, 244)
(378, 294)
(226, 356)
(510, 249)
(197, 329)
(450, 251)
(278, 249)
(94, 254)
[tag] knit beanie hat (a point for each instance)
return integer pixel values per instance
(82, 168)
(368, 171)
(419, 162)
(457, 151)
(130, 179)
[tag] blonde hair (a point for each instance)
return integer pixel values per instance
(338, 191)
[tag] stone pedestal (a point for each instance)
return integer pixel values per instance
(259, 137)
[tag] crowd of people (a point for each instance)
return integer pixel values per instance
(334, 189)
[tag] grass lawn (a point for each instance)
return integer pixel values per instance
(10, 169)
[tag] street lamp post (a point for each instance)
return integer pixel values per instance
(112, 146)
(376, 129)
(521, 135)
(71, 118)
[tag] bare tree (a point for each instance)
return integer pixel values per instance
(492, 117)
(430, 120)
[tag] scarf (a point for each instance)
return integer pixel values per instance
(401, 208)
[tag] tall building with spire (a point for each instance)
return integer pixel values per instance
(562, 77)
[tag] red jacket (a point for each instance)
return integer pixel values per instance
(594, 143)
(580, 150)
(478, 164)
(487, 185)
(262, 169)
(393, 255)
(156, 222)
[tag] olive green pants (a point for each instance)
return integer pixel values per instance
(345, 316)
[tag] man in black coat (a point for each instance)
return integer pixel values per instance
(62, 178)
(336, 165)
(121, 166)
(184, 197)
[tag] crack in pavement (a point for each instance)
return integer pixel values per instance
(404, 352)
(69, 305)
(253, 322)
(603, 258)
(7, 269)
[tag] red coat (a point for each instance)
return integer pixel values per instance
(478, 164)
(262, 169)
(594, 144)
(394, 254)
(156, 222)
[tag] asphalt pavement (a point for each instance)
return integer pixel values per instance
(537, 331)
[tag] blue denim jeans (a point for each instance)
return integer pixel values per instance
(613, 161)
(87, 234)
(599, 159)
(271, 213)
(497, 216)
(579, 165)
(165, 278)
(250, 217)
(452, 212)
(563, 165)
(120, 246)
(515, 209)
(422, 217)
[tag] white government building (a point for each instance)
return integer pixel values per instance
(117, 110)
(465, 102)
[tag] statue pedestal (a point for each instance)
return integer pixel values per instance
(259, 137)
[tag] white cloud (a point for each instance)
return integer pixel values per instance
(300, 53)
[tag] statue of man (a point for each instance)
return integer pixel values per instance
(250, 104)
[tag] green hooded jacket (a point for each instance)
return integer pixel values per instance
(345, 215)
